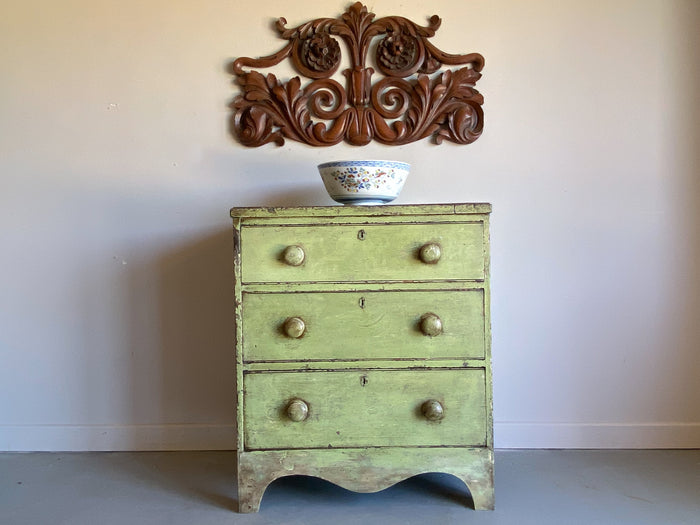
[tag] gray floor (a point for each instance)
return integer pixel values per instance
(532, 487)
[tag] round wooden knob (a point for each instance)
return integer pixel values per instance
(430, 253)
(294, 327)
(431, 325)
(432, 410)
(293, 255)
(297, 410)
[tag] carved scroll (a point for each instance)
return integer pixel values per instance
(413, 101)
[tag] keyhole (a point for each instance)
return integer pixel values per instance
(363, 380)
(362, 302)
(361, 235)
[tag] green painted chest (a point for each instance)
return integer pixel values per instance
(363, 346)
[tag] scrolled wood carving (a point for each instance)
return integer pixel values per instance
(408, 104)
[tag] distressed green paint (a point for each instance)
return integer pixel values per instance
(362, 252)
(362, 286)
(360, 376)
(382, 468)
(363, 325)
(371, 408)
(364, 364)
(385, 212)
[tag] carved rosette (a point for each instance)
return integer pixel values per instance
(404, 106)
(400, 54)
(318, 56)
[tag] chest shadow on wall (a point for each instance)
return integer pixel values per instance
(180, 302)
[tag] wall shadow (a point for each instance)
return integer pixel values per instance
(685, 346)
(179, 334)
(195, 326)
(180, 309)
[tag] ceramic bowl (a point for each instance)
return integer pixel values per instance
(364, 182)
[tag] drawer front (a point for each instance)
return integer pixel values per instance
(363, 325)
(341, 253)
(378, 408)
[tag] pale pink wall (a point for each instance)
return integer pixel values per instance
(118, 172)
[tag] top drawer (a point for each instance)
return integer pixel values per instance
(362, 253)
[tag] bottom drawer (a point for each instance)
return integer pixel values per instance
(367, 408)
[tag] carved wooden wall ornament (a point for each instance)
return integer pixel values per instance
(394, 110)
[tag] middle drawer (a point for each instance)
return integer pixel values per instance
(363, 325)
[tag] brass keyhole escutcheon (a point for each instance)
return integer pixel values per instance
(361, 235)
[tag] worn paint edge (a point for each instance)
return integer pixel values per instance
(387, 363)
(335, 211)
(357, 220)
(301, 368)
(363, 286)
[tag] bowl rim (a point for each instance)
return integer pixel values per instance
(343, 163)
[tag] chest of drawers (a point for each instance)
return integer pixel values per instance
(363, 348)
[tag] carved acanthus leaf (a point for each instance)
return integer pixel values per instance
(397, 109)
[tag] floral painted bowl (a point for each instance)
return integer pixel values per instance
(364, 182)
